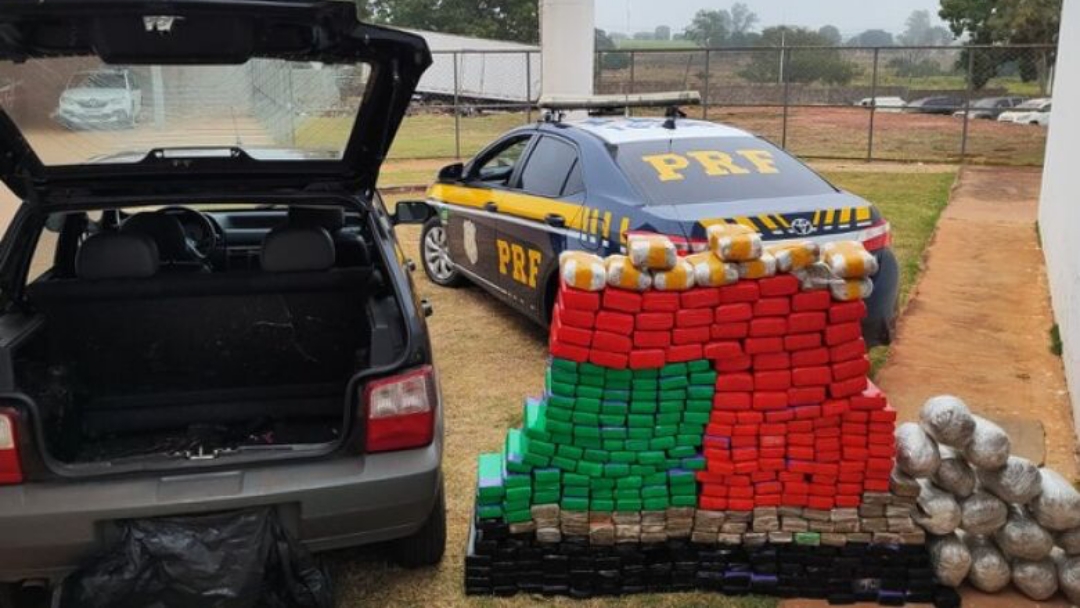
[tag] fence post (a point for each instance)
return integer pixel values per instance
(873, 108)
(705, 95)
(967, 104)
(633, 63)
(457, 110)
(528, 87)
(783, 128)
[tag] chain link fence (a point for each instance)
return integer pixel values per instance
(916, 104)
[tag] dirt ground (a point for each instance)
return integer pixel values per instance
(978, 325)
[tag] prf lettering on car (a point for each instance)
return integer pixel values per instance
(673, 167)
(523, 265)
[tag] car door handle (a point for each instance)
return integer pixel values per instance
(491, 207)
(555, 220)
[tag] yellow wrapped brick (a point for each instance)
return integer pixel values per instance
(622, 274)
(765, 266)
(711, 271)
(794, 256)
(849, 259)
(651, 252)
(850, 290)
(679, 278)
(734, 242)
(582, 270)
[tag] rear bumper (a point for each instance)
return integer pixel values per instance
(883, 304)
(49, 529)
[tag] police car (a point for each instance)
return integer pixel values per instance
(505, 216)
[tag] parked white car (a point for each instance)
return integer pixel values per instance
(894, 104)
(107, 97)
(1033, 112)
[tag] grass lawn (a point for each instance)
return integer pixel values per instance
(477, 340)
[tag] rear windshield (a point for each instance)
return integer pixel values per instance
(78, 110)
(715, 170)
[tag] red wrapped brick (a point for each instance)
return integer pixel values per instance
(683, 353)
(621, 300)
(811, 376)
(713, 504)
(761, 476)
(804, 342)
(855, 453)
(742, 504)
(615, 322)
(876, 485)
(749, 417)
(744, 441)
(772, 307)
(694, 317)
(777, 380)
(811, 300)
(794, 500)
(801, 466)
(767, 487)
(770, 361)
(647, 359)
(881, 451)
(769, 326)
(806, 395)
(732, 401)
(744, 454)
(886, 415)
(745, 430)
(609, 359)
(724, 418)
(757, 346)
(562, 350)
(734, 364)
(575, 299)
(734, 313)
(843, 312)
(773, 441)
(806, 322)
(835, 408)
(870, 399)
(800, 438)
(781, 416)
(581, 319)
(729, 331)
(743, 291)
(570, 335)
(836, 335)
(611, 342)
(845, 370)
(857, 466)
(847, 388)
(652, 339)
(728, 383)
(654, 321)
(691, 335)
(766, 400)
(850, 429)
(848, 502)
(660, 301)
(852, 441)
(781, 285)
(827, 444)
(807, 413)
(848, 351)
(702, 297)
(715, 490)
(800, 452)
(850, 477)
(856, 416)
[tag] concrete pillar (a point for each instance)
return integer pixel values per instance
(567, 43)
(1059, 215)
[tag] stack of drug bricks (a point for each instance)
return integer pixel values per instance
(707, 423)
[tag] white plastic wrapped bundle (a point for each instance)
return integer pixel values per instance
(734, 242)
(651, 251)
(950, 558)
(954, 475)
(794, 256)
(989, 446)
(1068, 571)
(902, 484)
(815, 276)
(1017, 482)
(1069, 541)
(990, 570)
(850, 290)
(623, 274)
(1036, 579)
(711, 271)
(938, 512)
(582, 270)
(916, 453)
(1022, 537)
(983, 513)
(849, 259)
(948, 420)
(1057, 507)
(679, 278)
(764, 266)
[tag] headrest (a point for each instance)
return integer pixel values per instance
(115, 255)
(166, 231)
(295, 249)
(330, 218)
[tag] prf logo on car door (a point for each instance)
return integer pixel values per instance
(520, 263)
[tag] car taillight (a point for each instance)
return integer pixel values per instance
(877, 236)
(683, 245)
(401, 411)
(10, 469)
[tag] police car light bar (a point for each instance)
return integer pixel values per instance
(562, 103)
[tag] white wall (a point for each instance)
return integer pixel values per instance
(567, 40)
(1059, 208)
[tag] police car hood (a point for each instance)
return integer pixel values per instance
(815, 216)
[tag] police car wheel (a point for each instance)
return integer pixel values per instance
(435, 253)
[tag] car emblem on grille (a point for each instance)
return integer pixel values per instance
(802, 226)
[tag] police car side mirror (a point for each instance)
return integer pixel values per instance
(452, 173)
(412, 212)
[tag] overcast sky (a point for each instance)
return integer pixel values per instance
(851, 16)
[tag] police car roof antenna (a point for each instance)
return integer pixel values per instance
(672, 114)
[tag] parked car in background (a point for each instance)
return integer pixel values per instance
(882, 103)
(1031, 112)
(935, 105)
(989, 108)
(101, 98)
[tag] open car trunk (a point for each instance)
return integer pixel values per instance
(202, 366)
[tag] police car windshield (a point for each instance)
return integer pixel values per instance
(715, 170)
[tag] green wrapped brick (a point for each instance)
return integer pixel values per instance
(637, 445)
(597, 456)
(627, 493)
(620, 395)
(644, 384)
(564, 463)
(700, 392)
(575, 479)
(535, 417)
(564, 365)
(562, 438)
(654, 492)
(561, 389)
(674, 369)
(584, 419)
(546, 497)
(591, 469)
(696, 463)
(602, 493)
(703, 378)
(640, 421)
(634, 482)
(687, 428)
(576, 492)
(514, 449)
(656, 504)
(681, 478)
(684, 501)
(617, 385)
(616, 469)
(604, 505)
(613, 432)
(688, 440)
(651, 457)
(590, 431)
(514, 480)
(618, 374)
(590, 392)
(569, 451)
(665, 430)
(656, 479)
(563, 377)
(601, 483)
(651, 372)
(593, 381)
(670, 463)
(644, 395)
(542, 448)
(519, 495)
(812, 539)
(672, 394)
(684, 490)
(587, 404)
(680, 452)
(696, 418)
(614, 408)
(623, 457)
(612, 421)
(516, 505)
(547, 476)
(643, 407)
(699, 405)
(574, 504)
(489, 476)
(517, 517)
(614, 445)
(558, 414)
(698, 365)
(566, 403)
(670, 419)
(489, 511)
(628, 505)
(643, 470)
(671, 407)
(591, 369)
(662, 443)
(588, 443)
(673, 382)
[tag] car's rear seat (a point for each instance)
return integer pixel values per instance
(125, 329)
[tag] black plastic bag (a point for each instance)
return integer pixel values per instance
(242, 559)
